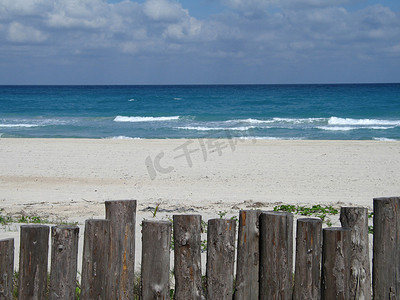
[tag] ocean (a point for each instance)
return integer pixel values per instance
(314, 112)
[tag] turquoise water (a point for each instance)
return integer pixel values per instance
(351, 111)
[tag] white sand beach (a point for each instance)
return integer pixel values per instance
(69, 179)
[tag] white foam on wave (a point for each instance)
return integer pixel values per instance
(382, 139)
(123, 137)
(336, 128)
(269, 138)
(131, 100)
(202, 128)
(19, 125)
(144, 119)
(358, 122)
(279, 120)
(348, 128)
(299, 120)
(251, 121)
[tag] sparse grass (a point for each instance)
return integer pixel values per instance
(319, 211)
(4, 220)
(314, 210)
(33, 219)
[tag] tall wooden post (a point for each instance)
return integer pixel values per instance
(220, 258)
(33, 257)
(307, 278)
(248, 257)
(356, 218)
(336, 263)
(156, 243)
(187, 257)
(276, 255)
(95, 257)
(121, 259)
(6, 269)
(386, 260)
(64, 262)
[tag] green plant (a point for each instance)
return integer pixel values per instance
(287, 208)
(203, 226)
(15, 285)
(32, 219)
(78, 290)
(317, 210)
(172, 245)
(23, 219)
(222, 214)
(156, 209)
(204, 246)
(136, 286)
(4, 220)
(371, 229)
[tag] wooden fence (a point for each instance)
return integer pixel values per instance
(330, 263)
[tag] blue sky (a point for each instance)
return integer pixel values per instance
(199, 41)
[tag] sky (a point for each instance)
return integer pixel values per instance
(199, 41)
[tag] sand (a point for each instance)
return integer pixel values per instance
(69, 179)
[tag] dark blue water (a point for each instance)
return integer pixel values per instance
(358, 111)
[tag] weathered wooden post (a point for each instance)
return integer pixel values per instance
(356, 218)
(386, 245)
(156, 243)
(95, 258)
(336, 263)
(221, 235)
(307, 278)
(276, 255)
(187, 257)
(248, 257)
(6, 269)
(121, 260)
(64, 261)
(33, 257)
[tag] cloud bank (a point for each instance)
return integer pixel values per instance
(160, 41)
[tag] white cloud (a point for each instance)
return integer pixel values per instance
(189, 28)
(164, 10)
(20, 34)
(247, 5)
(78, 14)
(23, 7)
